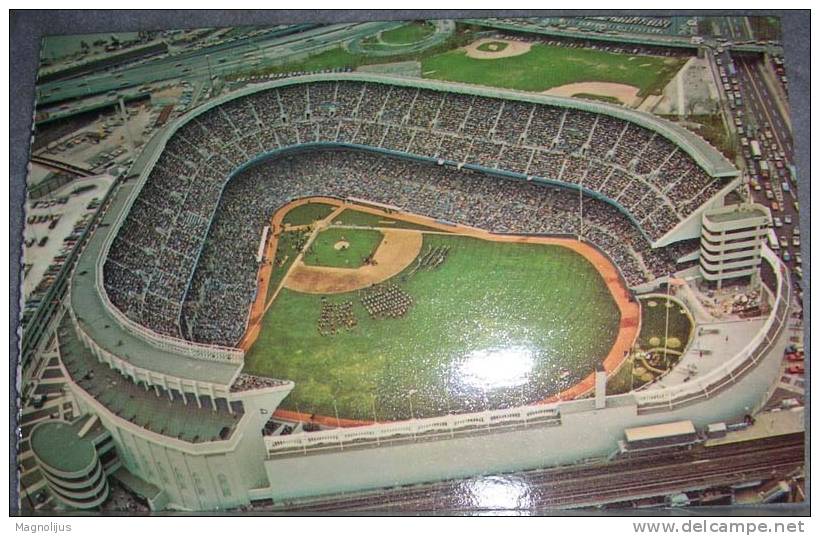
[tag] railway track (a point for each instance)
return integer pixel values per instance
(655, 474)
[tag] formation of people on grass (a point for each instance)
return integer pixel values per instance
(334, 317)
(431, 258)
(168, 266)
(386, 300)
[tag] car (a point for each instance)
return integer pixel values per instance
(784, 242)
(794, 356)
(776, 206)
(796, 368)
(769, 194)
(777, 222)
(796, 241)
(790, 403)
(798, 259)
(787, 219)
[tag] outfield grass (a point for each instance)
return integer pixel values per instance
(545, 67)
(409, 33)
(366, 219)
(362, 243)
(494, 326)
(308, 213)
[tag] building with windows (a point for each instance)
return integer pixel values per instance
(731, 242)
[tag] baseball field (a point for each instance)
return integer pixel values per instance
(541, 67)
(458, 324)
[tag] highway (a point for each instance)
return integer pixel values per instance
(217, 60)
(657, 474)
(762, 119)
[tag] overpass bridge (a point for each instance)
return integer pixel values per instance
(59, 165)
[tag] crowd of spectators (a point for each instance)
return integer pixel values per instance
(248, 382)
(163, 273)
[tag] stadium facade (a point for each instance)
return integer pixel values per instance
(185, 420)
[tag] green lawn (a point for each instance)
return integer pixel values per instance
(653, 324)
(366, 219)
(307, 214)
(362, 243)
(653, 328)
(496, 325)
(409, 33)
(287, 249)
(545, 67)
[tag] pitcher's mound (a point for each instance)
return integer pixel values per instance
(341, 244)
(395, 253)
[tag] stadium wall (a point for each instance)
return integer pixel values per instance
(194, 476)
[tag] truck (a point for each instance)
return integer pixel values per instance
(755, 146)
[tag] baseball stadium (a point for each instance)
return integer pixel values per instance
(344, 281)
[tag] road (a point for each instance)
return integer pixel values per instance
(215, 60)
(658, 474)
(763, 120)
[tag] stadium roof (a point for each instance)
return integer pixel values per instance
(707, 156)
(141, 406)
(59, 445)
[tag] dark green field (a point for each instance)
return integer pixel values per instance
(366, 219)
(409, 33)
(496, 325)
(653, 324)
(362, 243)
(308, 213)
(545, 67)
(653, 329)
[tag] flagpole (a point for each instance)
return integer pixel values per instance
(581, 212)
(666, 329)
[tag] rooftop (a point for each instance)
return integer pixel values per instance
(146, 407)
(58, 444)
(659, 430)
(737, 213)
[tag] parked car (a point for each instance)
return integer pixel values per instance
(796, 368)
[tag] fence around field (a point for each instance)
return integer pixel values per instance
(448, 426)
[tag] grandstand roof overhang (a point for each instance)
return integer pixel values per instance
(708, 157)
